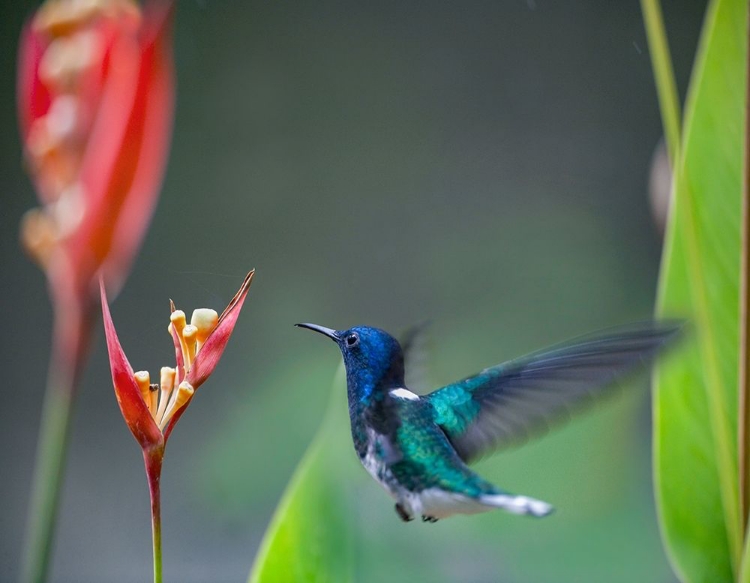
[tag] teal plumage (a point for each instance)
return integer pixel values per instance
(418, 447)
(428, 459)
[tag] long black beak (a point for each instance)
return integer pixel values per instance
(332, 334)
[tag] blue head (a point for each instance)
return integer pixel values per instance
(373, 359)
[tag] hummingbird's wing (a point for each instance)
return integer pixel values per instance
(415, 342)
(504, 404)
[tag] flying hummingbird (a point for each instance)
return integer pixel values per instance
(418, 447)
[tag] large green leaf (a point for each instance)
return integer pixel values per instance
(695, 417)
(309, 539)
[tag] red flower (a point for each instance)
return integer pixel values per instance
(95, 100)
(151, 410)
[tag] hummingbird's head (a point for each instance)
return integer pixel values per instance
(373, 358)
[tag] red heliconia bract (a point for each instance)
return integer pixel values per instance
(203, 356)
(95, 99)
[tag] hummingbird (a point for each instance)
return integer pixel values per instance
(419, 447)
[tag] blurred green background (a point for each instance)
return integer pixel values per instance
(481, 165)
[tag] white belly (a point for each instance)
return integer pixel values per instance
(438, 503)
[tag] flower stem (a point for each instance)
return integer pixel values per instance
(69, 351)
(153, 459)
(48, 474)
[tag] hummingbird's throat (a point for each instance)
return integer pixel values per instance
(163, 399)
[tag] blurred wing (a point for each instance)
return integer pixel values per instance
(415, 346)
(506, 403)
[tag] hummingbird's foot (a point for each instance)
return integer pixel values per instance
(429, 519)
(403, 514)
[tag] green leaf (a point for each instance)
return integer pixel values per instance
(309, 538)
(695, 410)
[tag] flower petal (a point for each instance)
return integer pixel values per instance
(125, 157)
(210, 354)
(33, 97)
(179, 359)
(134, 410)
(155, 108)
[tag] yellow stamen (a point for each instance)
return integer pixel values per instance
(205, 320)
(69, 210)
(178, 325)
(153, 399)
(59, 17)
(177, 317)
(39, 142)
(63, 119)
(167, 384)
(189, 333)
(38, 235)
(51, 159)
(67, 58)
(143, 380)
(184, 393)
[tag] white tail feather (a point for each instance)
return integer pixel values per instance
(517, 504)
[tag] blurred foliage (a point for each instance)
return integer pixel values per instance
(696, 394)
(309, 538)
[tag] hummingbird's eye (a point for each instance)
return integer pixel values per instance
(352, 340)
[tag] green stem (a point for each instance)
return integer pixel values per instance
(69, 351)
(153, 460)
(48, 475)
(666, 87)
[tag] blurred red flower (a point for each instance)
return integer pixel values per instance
(95, 100)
